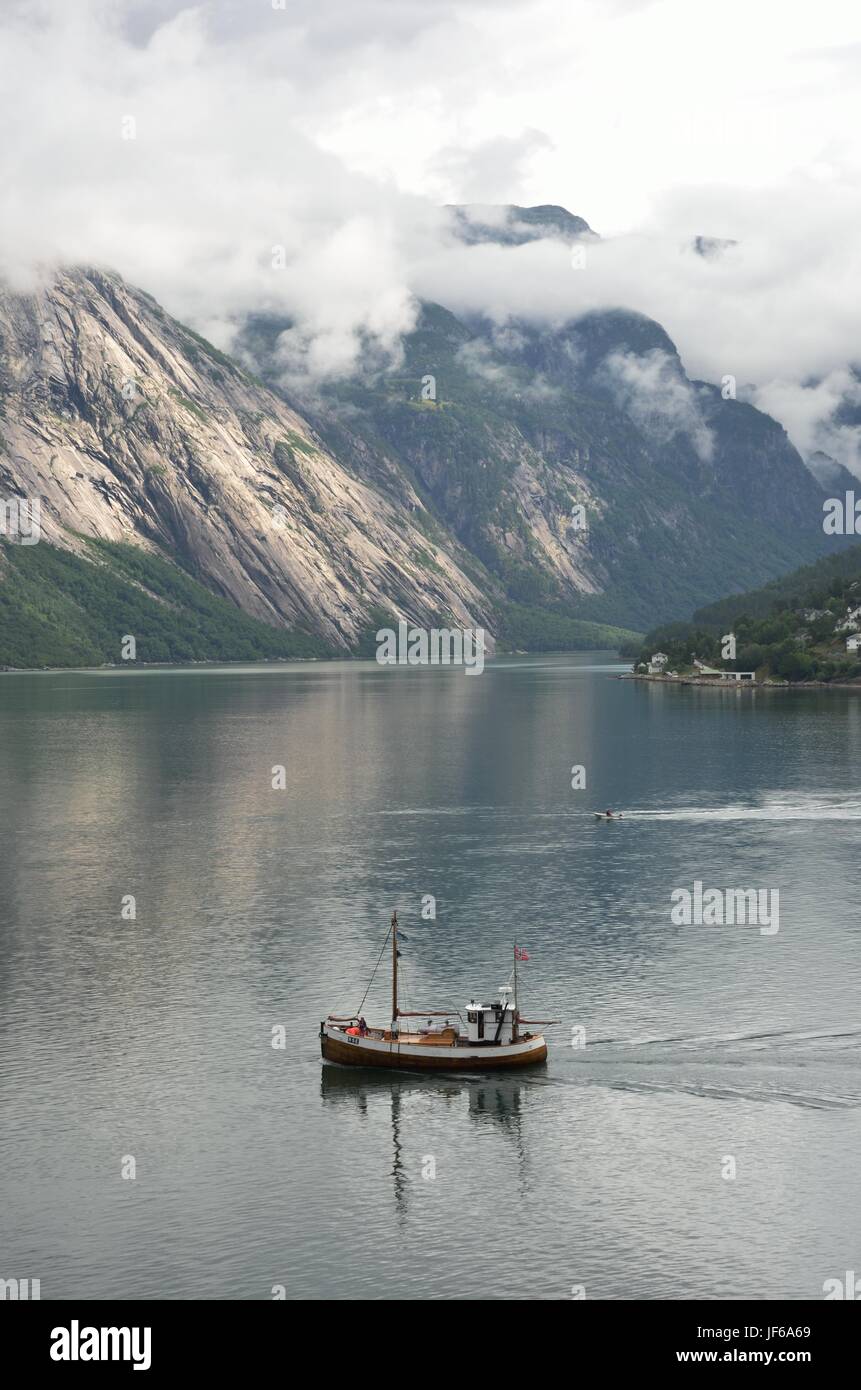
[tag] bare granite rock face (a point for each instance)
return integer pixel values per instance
(129, 427)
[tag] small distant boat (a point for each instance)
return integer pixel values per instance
(490, 1036)
(608, 815)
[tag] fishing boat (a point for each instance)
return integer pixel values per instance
(483, 1037)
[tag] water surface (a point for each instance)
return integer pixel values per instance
(151, 1038)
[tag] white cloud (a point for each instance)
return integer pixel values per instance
(658, 399)
(809, 412)
(335, 128)
(494, 171)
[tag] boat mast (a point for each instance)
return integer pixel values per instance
(394, 969)
(515, 981)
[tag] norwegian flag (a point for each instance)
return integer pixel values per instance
(520, 954)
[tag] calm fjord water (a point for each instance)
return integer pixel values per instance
(256, 1166)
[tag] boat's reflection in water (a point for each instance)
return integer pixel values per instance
(492, 1099)
(493, 1096)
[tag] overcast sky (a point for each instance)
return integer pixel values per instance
(180, 144)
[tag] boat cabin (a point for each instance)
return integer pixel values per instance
(490, 1023)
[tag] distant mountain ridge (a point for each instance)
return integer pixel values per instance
(509, 225)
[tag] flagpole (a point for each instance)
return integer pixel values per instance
(394, 970)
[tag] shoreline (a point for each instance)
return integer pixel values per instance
(261, 661)
(164, 665)
(711, 683)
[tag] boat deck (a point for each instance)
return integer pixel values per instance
(442, 1037)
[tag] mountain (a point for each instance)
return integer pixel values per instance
(506, 224)
(504, 430)
(792, 629)
(130, 429)
(558, 484)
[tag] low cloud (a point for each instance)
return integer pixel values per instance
(480, 357)
(210, 155)
(778, 311)
(811, 413)
(652, 391)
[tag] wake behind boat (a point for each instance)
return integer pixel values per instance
(494, 1035)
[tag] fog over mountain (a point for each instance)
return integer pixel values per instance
(234, 158)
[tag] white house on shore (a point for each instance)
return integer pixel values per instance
(658, 663)
(854, 642)
(852, 620)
